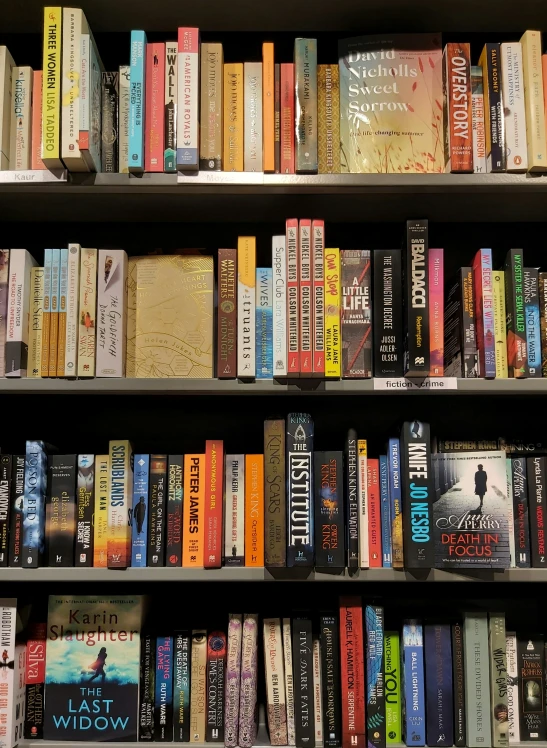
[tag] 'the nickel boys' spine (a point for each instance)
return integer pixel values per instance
(416, 301)
(305, 263)
(227, 314)
(293, 297)
(85, 491)
(375, 706)
(300, 521)
(330, 681)
(417, 484)
(318, 239)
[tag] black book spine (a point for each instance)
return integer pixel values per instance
(300, 520)
(173, 555)
(530, 652)
(181, 690)
(352, 513)
(330, 681)
(329, 510)
(375, 699)
(460, 340)
(5, 507)
(109, 124)
(417, 299)
(302, 652)
(147, 687)
(418, 488)
(495, 117)
(16, 519)
(216, 674)
(157, 503)
(458, 684)
(61, 510)
(388, 313)
(536, 497)
(521, 514)
(85, 494)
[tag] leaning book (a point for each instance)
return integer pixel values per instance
(92, 668)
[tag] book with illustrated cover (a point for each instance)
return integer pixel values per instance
(412, 665)
(356, 313)
(233, 673)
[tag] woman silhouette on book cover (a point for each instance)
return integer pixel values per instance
(481, 478)
(98, 666)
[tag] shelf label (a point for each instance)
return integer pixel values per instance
(222, 177)
(30, 176)
(430, 383)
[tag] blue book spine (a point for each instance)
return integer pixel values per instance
(438, 683)
(139, 516)
(386, 513)
(395, 502)
(137, 87)
(413, 676)
(163, 703)
(34, 504)
(264, 324)
(531, 313)
(375, 706)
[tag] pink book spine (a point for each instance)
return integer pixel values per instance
(306, 298)
(233, 676)
(293, 297)
(436, 312)
(155, 107)
(36, 150)
(318, 271)
(287, 118)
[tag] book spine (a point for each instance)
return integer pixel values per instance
(137, 99)
(157, 512)
(500, 335)
(510, 513)
(275, 501)
(293, 296)
(173, 533)
(5, 507)
(214, 482)
(198, 686)
(34, 509)
(305, 264)
(216, 672)
(275, 687)
(268, 105)
(21, 119)
(109, 122)
(533, 99)
(438, 679)
(63, 289)
(279, 283)
(8, 611)
(181, 687)
(147, 687)
(458, 684)
(356, 313)
(530, 653)
(513, 696)
(333, 342)
(51, 88)
(247, 702)
(375, 706)
(536, 493)
(385, 509)
(477, 680)
(277, 118)
(318, 237)
(416, 305)
(90, 112)
(468, 340)
(35, 676)
(233, 673)
(498, 680)
(163, 701)
(170, 108)
(19, 294)
(330, 681)
(329, 510)
(36, 162)
(210, 148)
(124, 107)
(254, 510)
(436, 312)
(493, 108)
(61, 510)
(521, 512)
(4, 287)
(317, 695)
(352, 511)
(457, 80)
(478, 120)
(387, 314)
(362, 483)
(227, 314)
(139, 516)
(264, 324)
(392, 670)
(374, 514)
(112, 313)
(305, 86)
(188, 83)
(514, 106)
(302, 644)
(100, 516)
(154, 144)
(531, 312)
(412, 662)
(252, 77)
(74, 23)
(396, 511)
(54, 311)
(300, 520)
(328, 120)
(484, 312)
(352, 672)
(88, 313)
(34, 365)
(72, 322)
(17, 508)
(517, 356)
(542, 279)
(120, 500)
(246, 304)
(234, 532)
(85, 490)
(287, 118)
(233, 117)
(193, 510)
(417, 487)
(289, 679)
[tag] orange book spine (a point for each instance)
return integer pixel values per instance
(268, 106)
(36, 148)
(193, 505)
(214, 484)
(287, 118)
(254, 510)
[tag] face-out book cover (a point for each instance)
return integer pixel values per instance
(471, 515)
(92, 668)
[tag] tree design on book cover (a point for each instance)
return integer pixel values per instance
(92, 668)
(471, 517)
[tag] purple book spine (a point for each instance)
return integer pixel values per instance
(233, 672)
(247, 701)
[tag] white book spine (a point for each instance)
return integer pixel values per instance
(362, 489)
(87, 313)
(279, 265)
(6, 76)
(21, 119)
(317, 694)
(275, 682)
(188, 84)
(85, 71)
(513, 698)
(233, 674)
(21, 263)
(234, 512)
(252, 133)
(477, 121)
(19, 689)
(289, 680)
(111, 312)
(4, 294)
(70, 87)
(123, 120)
(8, 615)
(72, 321)
(246, 308)
(514, 107)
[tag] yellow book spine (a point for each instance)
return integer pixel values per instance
(268, 106)
(533, 100)
(333, 343)
(328, 118)
(100, 514)
(233, 117)
(51, 87)
(500, 330)
(120, 504)
(34, 366)
(193, 511)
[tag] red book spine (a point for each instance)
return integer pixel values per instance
(318, 238)
(214, 487)
(374, 514)
(227, 314)
(457, 88)
(287, 118)
(353, 674)
(436, 313)
(35, 676)
(306, 310)
(293, 298)
(36, 140)
(155, 107)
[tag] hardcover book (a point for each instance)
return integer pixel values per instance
(305, 266)
(210, 148)
(198, 686)
(533, 99)
(254, 510)
(513, 695)
(85, 489)
(514, 106)
(34, 505)
(352, 505)
(300, 520)
(5, 506)
(293, 296)
(173, 532)
(388, 313)
(275, 687)
(234, 512)
(170, 108)
(232, 159)
(477, 680)
(412, 663)
(111, 313)
(375, 706)
(329, 510)
(457, 107)
(392, 671)
(498, 680)
(109, 122)
(246, 305)
(436, 312)
(275, 501)
(318, 303)
(17, 506)
(356, 314)
(252, 98)
(119, 504)
(438, 681)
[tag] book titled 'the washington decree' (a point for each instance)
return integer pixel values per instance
(92, 668)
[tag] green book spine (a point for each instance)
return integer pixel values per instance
(392, 670)
(305, 72)
(477, 680)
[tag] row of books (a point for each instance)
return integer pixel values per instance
(289, 506)
(335, 679)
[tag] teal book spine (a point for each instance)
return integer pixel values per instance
(305, 73)
(137, 85)
(264, 324)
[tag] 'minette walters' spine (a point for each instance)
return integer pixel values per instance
(246, 304)
(120, 500)
(457, 86)
(233, 117)
(302, 645)
(531, 311)
(158, 506)
(387, 316)
(85, 490)
(513, 695)
(416, 302)
(438, 679)
(109, 122)
(188, 83)
(173, 548)
(330, 681)
(305, 73)
(61, 510)
(417, 483)
(124, 107)
(154, 151)
(375, 706)
(34, 504)
(137, 100)
(498, 680)
(477, 680)
(5, 507)
(531, 675)
(352, 672)
(147, 687)
(170, 111)
(537, 489)
(252, 98)
(139, 532)
(300, 521)
(517, 356)
(392, 670)
(214, 483)
(210, 149)
(51, 88)
(181, 687)
(458, 684)
(493, 107)
(356, 313)
(216, 674)
(35, 676)
(16, 519)
(514, 106)
(412, 662)
(533, 99)
(352, 513)
(275, 502)
(163, 701)
(521, 515)
(329, 510)
(227, 314)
